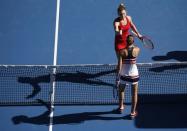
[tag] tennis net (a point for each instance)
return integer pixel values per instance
(90, 84)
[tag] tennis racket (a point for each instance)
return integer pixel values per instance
(147, 42)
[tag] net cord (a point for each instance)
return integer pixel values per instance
(52, 78)
(85, 65)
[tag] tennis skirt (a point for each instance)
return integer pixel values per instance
(129, 74)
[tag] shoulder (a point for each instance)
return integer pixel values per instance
(136, 51)
(136, 48)
(129, 18)
(117, 19)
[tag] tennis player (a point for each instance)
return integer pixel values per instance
(128, 74)
(122, 24)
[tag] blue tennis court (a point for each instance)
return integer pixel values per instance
(86, 65)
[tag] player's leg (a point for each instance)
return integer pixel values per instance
(134, 92)
(121, 96)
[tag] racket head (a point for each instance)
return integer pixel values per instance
(147, 42)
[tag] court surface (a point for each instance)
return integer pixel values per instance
(86, 36)
(93, 118)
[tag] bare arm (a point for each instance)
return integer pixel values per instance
(116, 28)
(136, 51)
(123, 53)
(119, 67)
(133, 27)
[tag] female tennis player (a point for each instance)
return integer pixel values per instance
(128, 74)
(122, 24)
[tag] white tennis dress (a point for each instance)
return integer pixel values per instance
(129, 71)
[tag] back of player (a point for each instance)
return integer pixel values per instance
(128, 73)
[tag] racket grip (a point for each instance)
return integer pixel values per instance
(118, 77)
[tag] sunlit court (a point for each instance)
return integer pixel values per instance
(63, 65)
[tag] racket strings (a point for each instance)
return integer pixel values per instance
(148, 43)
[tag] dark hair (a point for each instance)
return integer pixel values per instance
(121, 7)
(129, 37)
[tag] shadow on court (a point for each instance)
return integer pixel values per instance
(74, 118)
(168, 67)
(180, 56)
(78, 77)
(169, 113)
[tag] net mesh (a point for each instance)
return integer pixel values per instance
(90, 84)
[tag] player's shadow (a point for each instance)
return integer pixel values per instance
(77, 77)
(170, 66)
(162, 114)
(180, 56)
(74, 118)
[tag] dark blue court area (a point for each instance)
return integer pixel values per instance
(86, 61)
